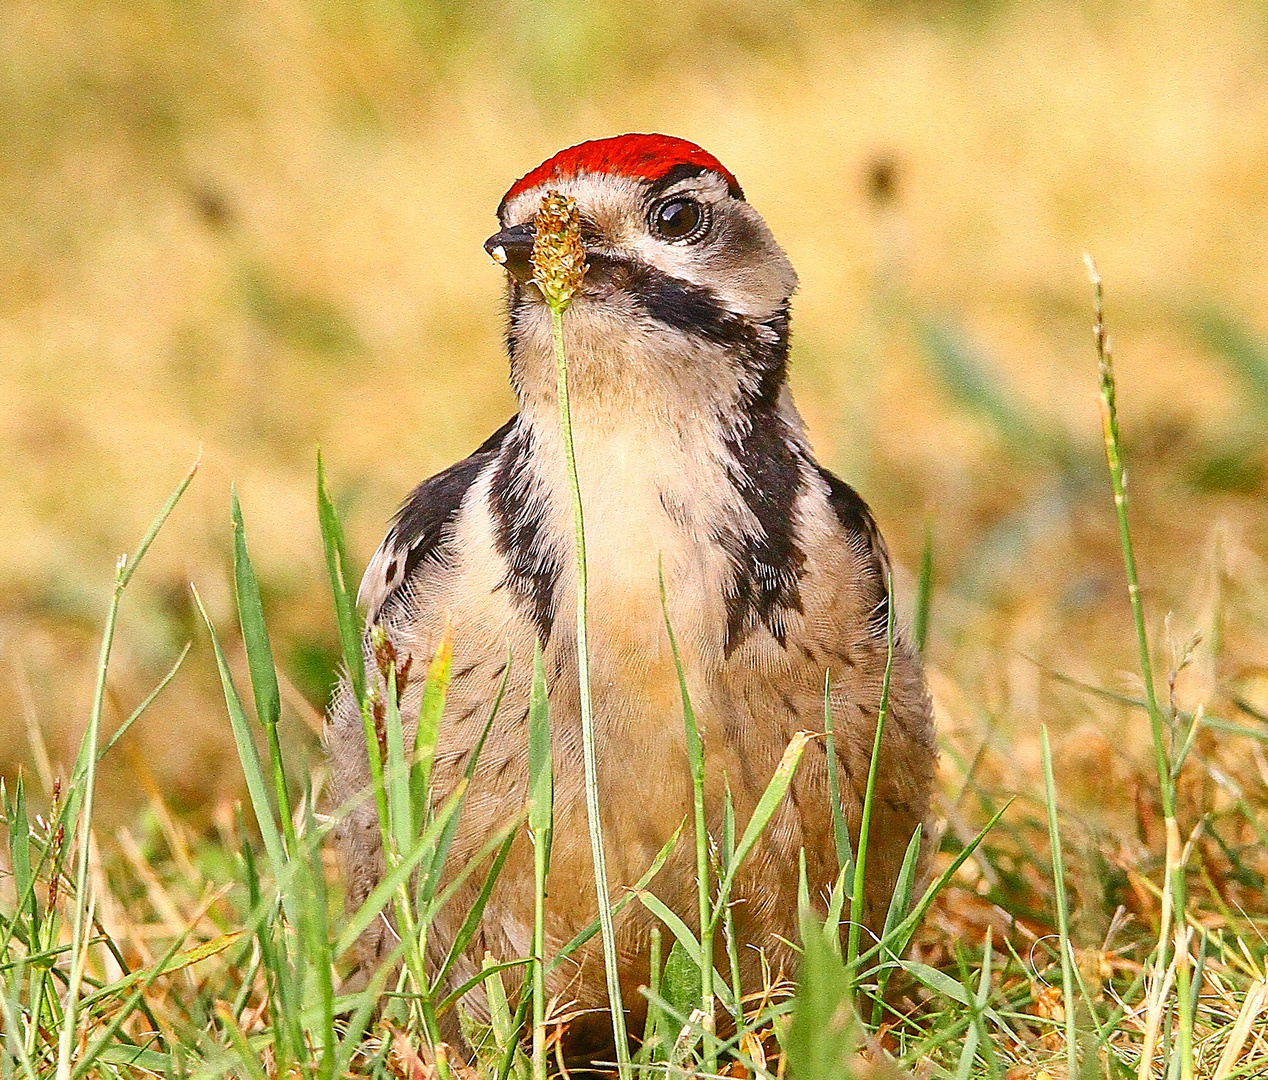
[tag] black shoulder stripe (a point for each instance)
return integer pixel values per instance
(856, 519)
(420, 526)
(519, 510)
(765, 468)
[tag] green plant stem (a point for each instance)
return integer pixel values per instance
(695, 758)
(1113, 456)
(540, 821)
(606, 929)
(87, 780)
(1063, 920)
(1173, 898)
(840, 828)
(860, 862)
(80, 925)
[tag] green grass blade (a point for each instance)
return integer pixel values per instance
(84, 780)
(611, 962)
(968, 1051)
(774, 794)
(541, 781)
(460, 991)
(506, 1029)
(541, 809)
(391, 881)
(260, 664)
(906, 880)
(160, 519)
(836, 905)
(255, 634)
(247, 1057)
(136, 713)
(728, 917)
(695, 760)
(680, 986)
(20, 855)
(582, 936)
(924, 594)
(897, 940)
(248, 757)
(1063, 922)
(14, 1044)
(491, 845)
(317, 948)
(471, 921)
(396, 772)
(840, 827)
(684, 938)
(898, 904)
(650, 1050)
(865, 825)
(430, 712)
(803, 882)
(431, 878)
(824, 1034)
(676, 925)
(339, 568)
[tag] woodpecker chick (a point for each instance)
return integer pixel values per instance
(691, 457)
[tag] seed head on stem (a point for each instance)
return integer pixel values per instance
(559, 264)
(559, 260)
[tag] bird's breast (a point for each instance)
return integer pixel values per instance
(647, 511)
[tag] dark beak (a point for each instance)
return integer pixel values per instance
(513, 249)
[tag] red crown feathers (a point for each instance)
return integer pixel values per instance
(640, 157)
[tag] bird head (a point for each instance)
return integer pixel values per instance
(685, 286)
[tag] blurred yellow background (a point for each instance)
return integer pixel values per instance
(257, 227)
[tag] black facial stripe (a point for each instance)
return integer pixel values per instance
(520, 535)
(762, 347)
(421, 526)
(765, 467)
(856, 519)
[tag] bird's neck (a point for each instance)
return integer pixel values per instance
(709, 494)
(624, 368)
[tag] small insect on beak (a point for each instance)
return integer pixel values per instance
(512, 249)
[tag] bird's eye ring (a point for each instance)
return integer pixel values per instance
(680, 219)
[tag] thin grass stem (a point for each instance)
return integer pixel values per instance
(1118, 480)
(1173, 890)
(860, 863)
(540, 821)
(607, 931)
(695, 759)
(124, 570)
(1063, 921)
(840, 827)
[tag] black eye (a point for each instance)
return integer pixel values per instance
(679, 218)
